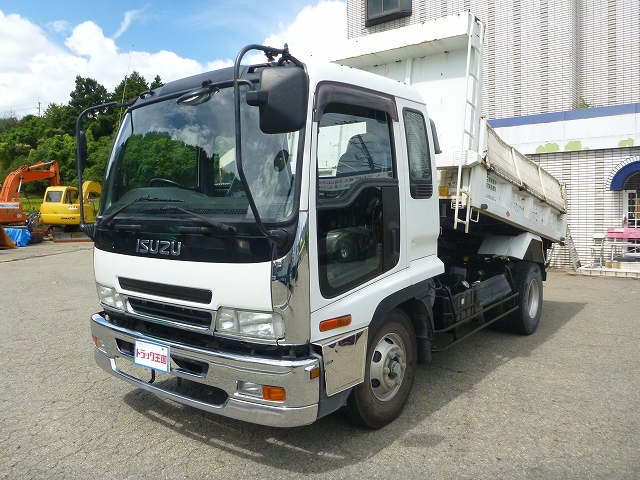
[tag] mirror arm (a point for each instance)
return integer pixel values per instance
(81, 159)
(278, 240)
(286, 56)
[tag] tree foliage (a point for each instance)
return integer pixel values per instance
(31, 139)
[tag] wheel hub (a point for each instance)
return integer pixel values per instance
(388, 364)
(533, 299)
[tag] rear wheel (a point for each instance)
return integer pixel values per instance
(389, 373)
(527, 279)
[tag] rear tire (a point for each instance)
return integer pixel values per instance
(527, 280)
(389, 373)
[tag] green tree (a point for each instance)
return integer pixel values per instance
(16, 143)
(130, 87)
(88, 93)
(60, 119)
(9, 123)
(98, 156)
(157, 83)
(60, 148)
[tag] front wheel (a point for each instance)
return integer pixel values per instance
(389, 373)
(346, 252)
(527, 279)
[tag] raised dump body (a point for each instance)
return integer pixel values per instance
(478, 172)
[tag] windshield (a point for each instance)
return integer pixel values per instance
(186, 153)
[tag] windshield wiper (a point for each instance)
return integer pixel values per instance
(218, 225)
(104, 222)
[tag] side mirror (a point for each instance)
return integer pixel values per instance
(283, 98)
(81, 151)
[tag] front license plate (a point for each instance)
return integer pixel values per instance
(152, 355)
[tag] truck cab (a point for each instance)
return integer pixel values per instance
(268, 243)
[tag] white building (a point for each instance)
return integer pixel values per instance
(562, 85)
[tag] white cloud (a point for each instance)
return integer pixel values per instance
(19, 38)
(314, 35)
(59, 26)
(129, 16)
(33, 68)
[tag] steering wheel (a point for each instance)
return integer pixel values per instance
(167, 181)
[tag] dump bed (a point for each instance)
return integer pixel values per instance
(477, 171)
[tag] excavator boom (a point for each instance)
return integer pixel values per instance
(10, 206)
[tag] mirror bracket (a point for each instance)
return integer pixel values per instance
(255, 98)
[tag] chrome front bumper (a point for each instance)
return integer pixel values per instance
(224, 371)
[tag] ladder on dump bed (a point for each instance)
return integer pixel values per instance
(471, 120)
(556, 249)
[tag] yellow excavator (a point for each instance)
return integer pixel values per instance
(61, 205)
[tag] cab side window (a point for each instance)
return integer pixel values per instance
(421, 184)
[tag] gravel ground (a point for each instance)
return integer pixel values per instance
(562, 403)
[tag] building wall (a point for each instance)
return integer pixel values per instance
(583, 149)
(584, 129)
(592, 206)
(609, 51)
(542, 55)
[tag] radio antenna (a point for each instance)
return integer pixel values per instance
(126, 77)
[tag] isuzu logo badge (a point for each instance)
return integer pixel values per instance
(158, 247)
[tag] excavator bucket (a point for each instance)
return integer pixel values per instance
(5, 241)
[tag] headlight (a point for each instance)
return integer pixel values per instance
(110, 298)
(267, 325)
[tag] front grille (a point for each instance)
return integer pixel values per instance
(173, 313)
(186, 294)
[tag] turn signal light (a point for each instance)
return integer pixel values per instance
(275, 394)
(335, 323)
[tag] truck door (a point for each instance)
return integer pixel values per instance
(357, 199)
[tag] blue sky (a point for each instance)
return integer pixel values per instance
(45, 44)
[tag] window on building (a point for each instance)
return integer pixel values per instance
(633, 209)
(380, 11)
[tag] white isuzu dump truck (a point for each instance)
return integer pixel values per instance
(279, 241)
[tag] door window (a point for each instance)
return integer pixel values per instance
(358, 201)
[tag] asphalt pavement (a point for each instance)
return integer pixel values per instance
(561, 403)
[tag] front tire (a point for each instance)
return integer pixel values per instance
(346, 252)
(527, 279)
(389, 373)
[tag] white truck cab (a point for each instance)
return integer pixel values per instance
(275, 242)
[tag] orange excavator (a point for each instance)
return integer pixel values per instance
(10, 206)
